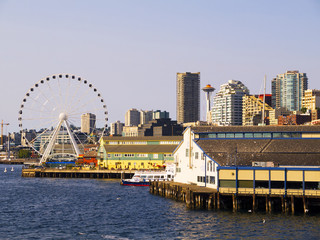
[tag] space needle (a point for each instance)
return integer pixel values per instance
(208, 91)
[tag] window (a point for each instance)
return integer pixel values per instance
(117, 154)
(262, 184)
(212, 135)
(267, 135)
(248, 135)
(245, 183)
(201, 179)
(277, 184)
(129, 155)
(142, 155)
(227, 183)
(156, 155)
(276, 135)
(212, 180)
(187, 152)
(221, 135)
(196, 155)
(312, 185)
(238, 135)
(294, 185)
(257, 135)
(229, 135)
(296, 135)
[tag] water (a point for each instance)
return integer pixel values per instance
(46, 208)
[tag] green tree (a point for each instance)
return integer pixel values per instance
(303, 110)
(24, 153)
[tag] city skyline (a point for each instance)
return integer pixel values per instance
(140, 46)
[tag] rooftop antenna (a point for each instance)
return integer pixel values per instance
(208, 91)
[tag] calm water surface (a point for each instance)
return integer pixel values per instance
(46, 208)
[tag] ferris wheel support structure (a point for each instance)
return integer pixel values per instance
(63, 120)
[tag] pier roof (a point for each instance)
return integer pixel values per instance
(299, 128)
(298, 152)
(147, 138)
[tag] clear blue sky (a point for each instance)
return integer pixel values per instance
(131, 50)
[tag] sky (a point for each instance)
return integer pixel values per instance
(131, 50)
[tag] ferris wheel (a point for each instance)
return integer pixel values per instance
(59, 115)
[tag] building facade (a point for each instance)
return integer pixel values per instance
(252, 108)
(160, 115)
(311, 99)
(188, 97)
(275, 113)
(136, 152)
(288, 90)
(88, 123)
(227, 104)
(157, 127)
(132, 117)
(145, 116)
(116, 128)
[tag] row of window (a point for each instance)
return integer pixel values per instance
(208, 179)
(127, 143)
(142, 155)
(196, 154)
(251, 135)
(274, 184)
(143, 143)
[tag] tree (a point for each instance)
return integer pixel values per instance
(303, 110)
(24, 153)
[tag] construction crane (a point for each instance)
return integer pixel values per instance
(2, 131)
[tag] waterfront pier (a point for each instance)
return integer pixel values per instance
(66, 173)
(197, 197)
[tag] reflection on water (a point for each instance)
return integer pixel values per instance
(43, 208)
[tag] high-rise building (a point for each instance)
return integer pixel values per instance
(252, 108)
(88, 122)
(311, 99)
(227, 104)
(160, 114)
(288, 90)
(145, 116)
(116, 128)
(132, 117)
(188, 97)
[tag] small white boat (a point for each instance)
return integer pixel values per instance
(143, 178)
(12, 169)
(5, 170)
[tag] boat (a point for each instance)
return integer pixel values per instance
(143, 178)
(12, 169)
(5, 170)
